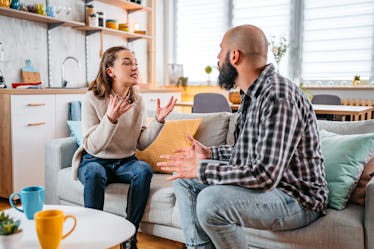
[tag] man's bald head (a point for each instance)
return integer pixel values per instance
(248, 39)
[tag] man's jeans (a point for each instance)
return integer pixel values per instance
(216, 214)
(96, 173)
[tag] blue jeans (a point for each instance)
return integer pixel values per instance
(213, 216)
(96, 173)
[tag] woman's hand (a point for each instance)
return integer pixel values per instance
(117, 107)
(162, 112)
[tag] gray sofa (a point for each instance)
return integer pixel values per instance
(350, 228)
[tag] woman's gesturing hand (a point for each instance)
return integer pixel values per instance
(117, 107)
(162, 112)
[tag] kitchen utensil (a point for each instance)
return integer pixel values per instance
(29, 73)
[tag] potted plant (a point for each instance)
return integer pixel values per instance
(10, 232)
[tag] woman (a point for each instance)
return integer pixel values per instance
(114, 124)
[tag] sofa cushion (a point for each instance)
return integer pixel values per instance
(349, 127)
(345, 157)
(171, 137)
(75, 128)
(359, 193)
(213, 128)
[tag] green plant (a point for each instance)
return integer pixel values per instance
(8, 225)
(182, 81)
(208, 70)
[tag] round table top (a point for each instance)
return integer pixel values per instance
(95, 229)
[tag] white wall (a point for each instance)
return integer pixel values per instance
(24, 39)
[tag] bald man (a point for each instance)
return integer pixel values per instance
(273, 177)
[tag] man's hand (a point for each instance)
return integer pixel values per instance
(184, 164)
(162, 112)
(117, 107)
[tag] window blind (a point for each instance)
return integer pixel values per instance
(272, 16)
(338, 39)
(199, 28)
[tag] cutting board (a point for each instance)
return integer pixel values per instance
(30, 77)
(29, 73)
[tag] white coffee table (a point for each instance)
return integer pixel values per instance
(95, 229)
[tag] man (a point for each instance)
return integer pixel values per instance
(273, 176)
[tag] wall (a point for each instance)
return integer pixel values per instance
(24, 39)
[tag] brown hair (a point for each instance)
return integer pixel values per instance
(102, 84)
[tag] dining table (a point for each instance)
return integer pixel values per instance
(355, 113)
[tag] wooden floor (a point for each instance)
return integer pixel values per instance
(145, 241)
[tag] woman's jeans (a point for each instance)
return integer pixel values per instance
(96, 173)
(213, 216)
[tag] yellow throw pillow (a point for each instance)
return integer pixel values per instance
(171, 137)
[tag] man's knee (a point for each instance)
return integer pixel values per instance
(206, 210)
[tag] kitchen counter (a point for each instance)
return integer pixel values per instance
(74, 91)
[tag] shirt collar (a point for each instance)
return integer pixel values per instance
(256, 87)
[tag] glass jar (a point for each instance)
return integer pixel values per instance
(89, 10)
(92, 20)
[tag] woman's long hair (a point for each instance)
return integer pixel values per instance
(102, 84)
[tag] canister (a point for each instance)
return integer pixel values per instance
(111, 23)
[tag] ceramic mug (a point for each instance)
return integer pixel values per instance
(49, 227)
(51, 10)
(32, 200)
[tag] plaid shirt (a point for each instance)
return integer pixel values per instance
(276, 144)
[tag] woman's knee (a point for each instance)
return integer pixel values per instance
(143, 171)
(94, 171)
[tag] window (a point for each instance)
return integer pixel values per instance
(199, 27)
(338, 40)
(329, 41)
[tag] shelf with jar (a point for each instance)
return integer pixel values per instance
(51, 21)
(126, 5)
(128, 35)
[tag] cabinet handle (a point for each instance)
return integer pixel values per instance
(36, 104)
(36, 124)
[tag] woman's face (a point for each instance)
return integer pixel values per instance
(125, 69)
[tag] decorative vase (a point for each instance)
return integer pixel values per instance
(12, 241)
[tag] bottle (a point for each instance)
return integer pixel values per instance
(89, 10)
(100, 18)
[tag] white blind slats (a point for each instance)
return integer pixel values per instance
(198, 34)
(338, 39)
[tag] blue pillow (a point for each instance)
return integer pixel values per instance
(345, 157)
(76, 130)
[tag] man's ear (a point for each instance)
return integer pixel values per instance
(235, 56)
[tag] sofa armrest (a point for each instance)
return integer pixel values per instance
(369, 215)
(58, 155)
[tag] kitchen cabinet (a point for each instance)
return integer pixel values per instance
(28, 122)
(128, 6)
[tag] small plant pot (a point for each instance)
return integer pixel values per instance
(11, 241)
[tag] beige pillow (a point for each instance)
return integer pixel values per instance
(171, 137)
(359, 193)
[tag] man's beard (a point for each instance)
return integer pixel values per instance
(227, 74)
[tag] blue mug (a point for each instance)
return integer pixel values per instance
(32, 200)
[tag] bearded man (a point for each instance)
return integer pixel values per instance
(272, 177)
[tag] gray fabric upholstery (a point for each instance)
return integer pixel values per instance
(350, 228)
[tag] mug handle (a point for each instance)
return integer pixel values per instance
(72, 229)
(12, 203)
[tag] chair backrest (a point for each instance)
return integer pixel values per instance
(210, 102)
(326, 99)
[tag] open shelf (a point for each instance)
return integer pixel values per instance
(127, 5)
(38, 18)
(124, 34)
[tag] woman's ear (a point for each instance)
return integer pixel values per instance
(109, 72)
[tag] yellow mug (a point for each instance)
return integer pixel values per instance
(49, 227)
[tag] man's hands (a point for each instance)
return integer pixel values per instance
(117, 107)
(162, 112)
(185, 161)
